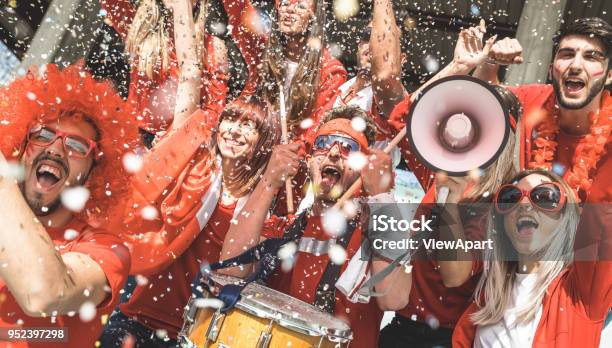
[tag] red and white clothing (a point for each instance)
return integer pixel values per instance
(107, 250)
(245, 21)
(577, 302)
(539, 104)
(155, 98)
(302, 281)
(181, 179)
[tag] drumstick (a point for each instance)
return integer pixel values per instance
(285, 140)
(357, 184)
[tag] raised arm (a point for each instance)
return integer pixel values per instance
(120, 13)
(386, 57)
(41, 279)
(246, 232)
(504, 52)
(247, 31)
(190, 71)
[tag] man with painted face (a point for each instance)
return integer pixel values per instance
(330, 174)
(61, 268)
(568, 123)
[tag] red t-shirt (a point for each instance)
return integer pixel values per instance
(114, 260)
(301, 283)
(160, 303)
(430, 299)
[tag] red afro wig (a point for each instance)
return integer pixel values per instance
(72, 90)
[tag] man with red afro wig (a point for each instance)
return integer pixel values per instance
(67, 134)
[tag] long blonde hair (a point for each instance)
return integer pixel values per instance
(303, 91)
(150, 34)
(494, 291)
(507, 164)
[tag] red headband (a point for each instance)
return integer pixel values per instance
(343, 126)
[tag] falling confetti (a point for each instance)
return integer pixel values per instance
(334, 222)
(70, 234)
(357, 160)
(337, 254)
(431, 63)
(141, 280)
(358, 124)
(149, 213)
(13, 170)
(287, 251)
(345, 9)
(87, 311)
(132, 163)
(75, 198)
(306, 123)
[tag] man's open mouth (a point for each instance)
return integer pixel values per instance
(574, 85)
(330, 175)
(48, 174)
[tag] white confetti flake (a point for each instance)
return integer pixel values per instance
(12, 170)
(358, 124)
(345, 9)
(31, 96)
(357, 160)
(132, 163)
(433, 322)
(306, 123)
(149, 213)
(335, 50)
(70, 234)
(161, 333)
(141, 280)
(287, 251)
(431, 63)
(218, 28)
(337, 254)
(75, 198)
(350, 209)
(334, 222)
(87, 311)
(208, 303)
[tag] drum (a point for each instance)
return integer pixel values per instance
(262, 318)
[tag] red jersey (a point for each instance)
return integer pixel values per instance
(577, 302)
(160, 303)
(538, 103)
(114, 260)
(155, 98)
(243, 18)
(301, 283)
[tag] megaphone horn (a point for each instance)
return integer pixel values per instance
(458, 124)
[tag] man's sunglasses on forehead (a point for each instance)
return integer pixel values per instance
(75, 145)
(346, 145)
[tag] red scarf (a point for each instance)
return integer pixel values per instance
(587, 153)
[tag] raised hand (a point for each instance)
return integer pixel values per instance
(284, 162)
(470, 50)
(505, 52)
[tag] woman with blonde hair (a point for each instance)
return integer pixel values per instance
(443, 282)
(534, 291)
(148, 31)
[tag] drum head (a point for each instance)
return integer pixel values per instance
(287, 311)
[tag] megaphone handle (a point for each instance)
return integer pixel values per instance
(442, 195)
(357, 184)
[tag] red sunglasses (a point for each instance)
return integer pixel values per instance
(346, 145)
(75, 145)
(549, 197)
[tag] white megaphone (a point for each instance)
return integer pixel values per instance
(456, 125)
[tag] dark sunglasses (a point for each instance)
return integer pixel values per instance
(74, 145)
(324, 143)
(549, 197)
